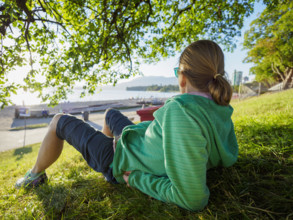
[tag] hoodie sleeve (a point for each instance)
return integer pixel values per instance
(185, 158)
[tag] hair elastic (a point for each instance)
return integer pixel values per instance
(215, 76)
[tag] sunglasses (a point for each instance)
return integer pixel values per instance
(176, 70)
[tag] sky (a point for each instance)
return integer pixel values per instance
(233, 61)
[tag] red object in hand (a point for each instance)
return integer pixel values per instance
(146, 114)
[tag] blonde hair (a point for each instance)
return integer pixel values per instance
(203, 66)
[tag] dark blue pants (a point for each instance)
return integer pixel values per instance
(95, 147)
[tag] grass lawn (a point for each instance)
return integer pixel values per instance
(258, 186)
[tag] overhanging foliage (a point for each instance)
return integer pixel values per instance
(100, 42)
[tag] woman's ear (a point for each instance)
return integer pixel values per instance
(182, 83)
(182, 80)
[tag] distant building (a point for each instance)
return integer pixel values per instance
(237, 78)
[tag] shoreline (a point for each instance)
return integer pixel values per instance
(7, 115)
(129, 101)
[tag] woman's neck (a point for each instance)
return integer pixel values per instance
(190, 89)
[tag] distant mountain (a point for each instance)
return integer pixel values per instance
(146, 81)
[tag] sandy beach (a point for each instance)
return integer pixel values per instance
(11, 138)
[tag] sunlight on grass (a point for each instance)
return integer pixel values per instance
(258, 186)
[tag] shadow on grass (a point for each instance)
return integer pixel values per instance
(265, 139)
(19, 152)
(252, 188)
(54, 200)
(97, 199)
(80, 199)
(259, 185)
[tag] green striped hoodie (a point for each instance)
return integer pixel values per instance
(169, 156)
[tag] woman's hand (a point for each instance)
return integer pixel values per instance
(126, 176)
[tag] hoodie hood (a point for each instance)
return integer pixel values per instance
(216, 125)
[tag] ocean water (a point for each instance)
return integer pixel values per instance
(106, 94)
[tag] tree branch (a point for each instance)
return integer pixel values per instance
(49, 6)
(26, 35)
(49, 21)
(41, 4)
(6, 21)
(278, 71)
(22, 5)
(175, 17)
(121, 36)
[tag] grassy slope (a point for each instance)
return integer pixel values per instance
(258, 186)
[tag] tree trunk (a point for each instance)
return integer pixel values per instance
(288, 81)
(286, 76)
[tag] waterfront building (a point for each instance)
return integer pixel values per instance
(237, 78)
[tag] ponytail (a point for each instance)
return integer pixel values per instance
(220, 90)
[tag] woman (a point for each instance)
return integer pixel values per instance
(167, 158)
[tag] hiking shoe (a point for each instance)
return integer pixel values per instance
(31, 180)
